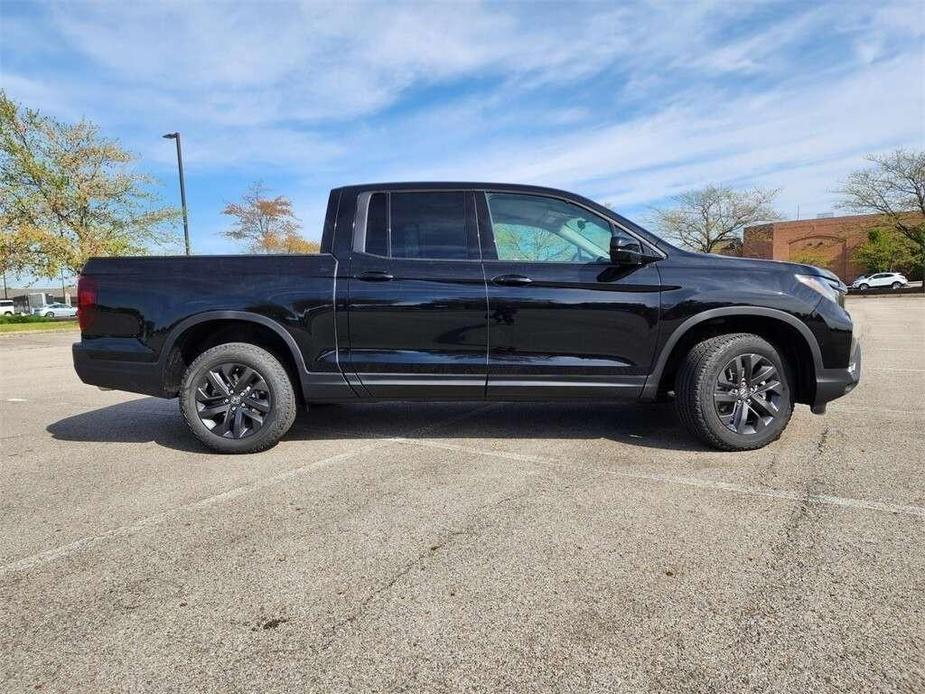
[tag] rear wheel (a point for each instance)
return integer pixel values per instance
(863, 286)
(896, 285)
(733, 392)
(237, 398)
(50, 315)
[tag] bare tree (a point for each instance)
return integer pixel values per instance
(894, 187)
(708, 218)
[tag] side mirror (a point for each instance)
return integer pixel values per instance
(623, 252)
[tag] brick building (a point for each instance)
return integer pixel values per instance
(826, 241)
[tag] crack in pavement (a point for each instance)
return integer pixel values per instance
(420, 560)
(780, 589)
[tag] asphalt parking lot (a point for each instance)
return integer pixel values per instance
(499, 547)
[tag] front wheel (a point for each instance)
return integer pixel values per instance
(237, 398)
(733, 392)
(49, 315)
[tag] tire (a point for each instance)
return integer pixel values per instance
(49, 315)
(896, 285)
(863, 287)
(704, 398)
(255, 380)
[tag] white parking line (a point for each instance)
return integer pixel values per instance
(125, 530)
(713, 485)
(900, 349)
(874, 410)
(87, 542)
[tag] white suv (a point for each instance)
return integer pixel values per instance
(893, 280)
(6, 307)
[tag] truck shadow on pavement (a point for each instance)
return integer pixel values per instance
(159, 421)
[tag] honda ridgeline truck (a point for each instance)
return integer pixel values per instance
(468, 291)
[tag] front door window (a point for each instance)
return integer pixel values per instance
(536, 229)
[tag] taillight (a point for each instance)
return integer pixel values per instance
(86, 302)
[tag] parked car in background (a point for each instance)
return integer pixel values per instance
(894, 280)
(468, 291)
(56, 310)
(6, 307)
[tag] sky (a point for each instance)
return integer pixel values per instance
(627, 103)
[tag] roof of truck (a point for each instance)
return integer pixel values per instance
(496, 186)
(457, 185)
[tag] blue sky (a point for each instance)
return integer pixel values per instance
(627, 102)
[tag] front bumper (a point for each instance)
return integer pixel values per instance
(834, 383)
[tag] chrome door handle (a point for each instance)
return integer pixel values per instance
(375, 276)
(511, 280)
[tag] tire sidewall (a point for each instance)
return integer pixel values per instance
(278, 384)
(715, 363)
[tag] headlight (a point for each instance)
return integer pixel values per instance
(831, 289)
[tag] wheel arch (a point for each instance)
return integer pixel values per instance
(787, 333)
(197, 333)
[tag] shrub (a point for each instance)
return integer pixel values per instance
(24, 319)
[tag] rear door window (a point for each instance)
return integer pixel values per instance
(419, 225)
(429, 225)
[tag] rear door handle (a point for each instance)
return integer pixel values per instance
(375, 276)
(511, 280)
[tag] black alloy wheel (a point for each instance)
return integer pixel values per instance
(748, 394)
(232, 400)
(237, 397)
(733, 392)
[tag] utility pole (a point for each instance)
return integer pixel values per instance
(176, 136)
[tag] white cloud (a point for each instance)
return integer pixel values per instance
(628, 102)
(801, 126)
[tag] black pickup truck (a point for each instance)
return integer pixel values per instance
(468, 291)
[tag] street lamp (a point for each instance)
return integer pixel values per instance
(176, 136)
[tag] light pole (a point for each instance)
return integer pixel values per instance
(176, 136)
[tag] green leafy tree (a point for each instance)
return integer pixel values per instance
(709, 218)
(67, 193)
(893, 187)
(885, 249)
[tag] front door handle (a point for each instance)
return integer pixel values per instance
(375, 276)
(511, 280)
